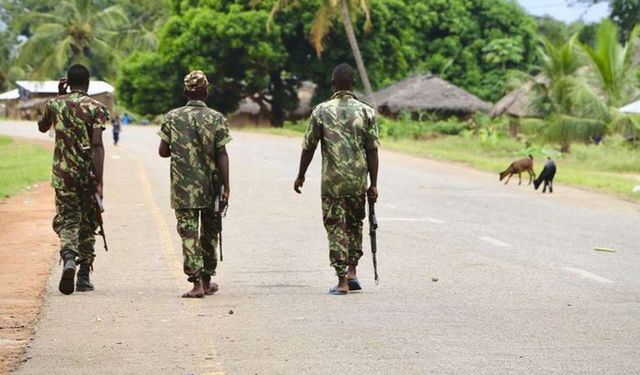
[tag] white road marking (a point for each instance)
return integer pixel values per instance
(494, 241)
(588, 275)
(413, 219)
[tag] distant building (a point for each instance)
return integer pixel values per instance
(9, 104)
(427, 94)
(32, 96)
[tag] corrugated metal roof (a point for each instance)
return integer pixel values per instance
(631, 108)
(51, 87)
(10, 95)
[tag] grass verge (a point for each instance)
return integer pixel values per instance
(21, 164)
(606, 168)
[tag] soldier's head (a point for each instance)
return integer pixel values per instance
(343, 77)
(195, 85)
(78, 77)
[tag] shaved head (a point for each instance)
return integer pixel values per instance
(343, 77)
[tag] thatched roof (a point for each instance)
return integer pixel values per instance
(517, 102)
(427, 93)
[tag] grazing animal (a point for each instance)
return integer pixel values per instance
(546, 176)
(519, 166)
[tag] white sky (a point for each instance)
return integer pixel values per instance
(561, 10)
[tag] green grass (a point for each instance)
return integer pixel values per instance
(612, 167)
(606, 168)
(21, 165)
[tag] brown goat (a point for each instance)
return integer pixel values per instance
(519, 166)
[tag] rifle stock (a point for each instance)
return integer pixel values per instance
(373, 226)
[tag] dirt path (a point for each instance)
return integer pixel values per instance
(29, 246)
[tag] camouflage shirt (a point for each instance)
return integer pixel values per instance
(194, 133)
(346, 128)
(73, 116)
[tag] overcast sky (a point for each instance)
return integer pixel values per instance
(560, 10)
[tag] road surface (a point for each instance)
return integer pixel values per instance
(519, 290)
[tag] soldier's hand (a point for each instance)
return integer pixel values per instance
(225, 200)
(372, 194)
(99, 190)
(298, 184)
(62, 86)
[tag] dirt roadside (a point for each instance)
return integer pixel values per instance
(29, 247)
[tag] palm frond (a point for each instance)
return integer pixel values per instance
(322, 22)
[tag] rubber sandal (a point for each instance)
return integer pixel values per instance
(354, 285)
(336, 292)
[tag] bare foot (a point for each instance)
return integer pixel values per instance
(351, 273)
(196, 292)
(210, 287)
(341, 288)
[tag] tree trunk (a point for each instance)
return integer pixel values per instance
(277, 100)
(353, 42)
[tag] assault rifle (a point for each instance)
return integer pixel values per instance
(219, 206)
(373, 226)
(96, 200)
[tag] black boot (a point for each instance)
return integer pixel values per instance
(83, 284)
(68, 274)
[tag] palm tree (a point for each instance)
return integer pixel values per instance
(323, 21)
(613, 63)
(76, 32)
(616, 73)
(571, 108)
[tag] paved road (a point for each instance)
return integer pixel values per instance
(520, 288)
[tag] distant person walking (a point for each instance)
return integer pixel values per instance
(115, 122)
(78, 122)
(126, 119)
(346, 128)
(194, 136)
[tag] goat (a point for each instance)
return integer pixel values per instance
(519, 166)
(546, 176)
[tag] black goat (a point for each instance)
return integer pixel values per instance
(546, 176)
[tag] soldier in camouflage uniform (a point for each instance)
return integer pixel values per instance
(194, 136)
(347, 130)
(78, 122)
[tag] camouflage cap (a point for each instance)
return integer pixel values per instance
(194, 80)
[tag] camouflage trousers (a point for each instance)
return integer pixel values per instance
(199, 242)
(75, 225)
(342, 219)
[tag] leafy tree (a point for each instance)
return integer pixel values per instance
(323, 21)
(227, 42)
(625, 13)
(503, 51)
(77, 32)
(445, 37)
(5, 50)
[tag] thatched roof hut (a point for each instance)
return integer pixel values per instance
(426, 93)
(515, 103)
